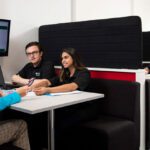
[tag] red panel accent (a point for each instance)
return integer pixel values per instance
(57, 71)
(113, 75)
(127, 76)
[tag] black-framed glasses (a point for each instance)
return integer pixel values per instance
(33, 53)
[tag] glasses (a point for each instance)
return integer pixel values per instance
(33, 53)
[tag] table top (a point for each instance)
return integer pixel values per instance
(37, 104)
(147, 76)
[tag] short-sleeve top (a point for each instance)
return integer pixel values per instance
(44, 70)
(80, 77)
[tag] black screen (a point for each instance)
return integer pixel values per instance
(146, 46)
(106, 43)
(4, 36)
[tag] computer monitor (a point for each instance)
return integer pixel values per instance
(4, 36)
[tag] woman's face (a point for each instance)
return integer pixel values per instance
(67, 60)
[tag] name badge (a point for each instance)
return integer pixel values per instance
(37, 74)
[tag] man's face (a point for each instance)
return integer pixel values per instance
(34, 55)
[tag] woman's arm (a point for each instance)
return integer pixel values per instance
(62, 88)
(40, 83)
(12, 98)
(9, 100)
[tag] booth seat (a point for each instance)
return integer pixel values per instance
(111, 123)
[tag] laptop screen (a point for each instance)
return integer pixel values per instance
(2, 81)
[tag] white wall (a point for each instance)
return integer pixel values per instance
(99, 9)
(142, 8)
(26, 16)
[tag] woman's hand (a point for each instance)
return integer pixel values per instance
(22, 90)
(1, 94)
(40, 90)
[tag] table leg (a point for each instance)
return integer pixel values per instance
(51, 142)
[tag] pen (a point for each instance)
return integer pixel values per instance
(30, 81)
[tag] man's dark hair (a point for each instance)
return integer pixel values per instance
(35, 43)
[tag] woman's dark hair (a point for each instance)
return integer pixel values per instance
(76, 62)
(34, 43)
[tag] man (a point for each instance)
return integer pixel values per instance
(41, 71)
(36, 68)
(13, 131)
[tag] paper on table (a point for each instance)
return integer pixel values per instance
(53, 94)
(31, 94)
(63, 93)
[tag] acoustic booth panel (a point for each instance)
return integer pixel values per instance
(146, 46)
(106, 43)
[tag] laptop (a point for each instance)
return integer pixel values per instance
(3, 84)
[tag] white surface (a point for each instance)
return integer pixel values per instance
(140, 77)
(26, 17)
(65, 93)
(39, 104)
(147, 76)
(99, 9)
(142, 9)
(112, 69)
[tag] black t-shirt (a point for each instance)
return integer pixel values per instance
(45, 70)
(80, 77)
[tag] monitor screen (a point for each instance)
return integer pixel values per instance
(4, 36)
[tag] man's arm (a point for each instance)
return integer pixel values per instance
(19, 80)
(37, 82)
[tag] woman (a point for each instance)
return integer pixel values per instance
(73, 76)
(14, 131)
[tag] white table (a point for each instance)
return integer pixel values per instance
(38, 104)
(147, 76)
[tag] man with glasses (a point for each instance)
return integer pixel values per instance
(34, 74)
(36, 68)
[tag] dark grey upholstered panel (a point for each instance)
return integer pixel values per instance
(146, 46)
(111, 43)
(111, 123)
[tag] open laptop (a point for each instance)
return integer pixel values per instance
(3, 84)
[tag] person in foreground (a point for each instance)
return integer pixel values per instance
(37, 68)
(73, 76)
(14, 131)
(147, 70)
